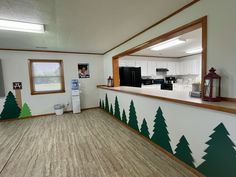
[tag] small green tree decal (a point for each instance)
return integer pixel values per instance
(111, 110)
(11, 109)
(160, 134)
(117, 109)
(220, 158)
(124, 118)
(144, 129)
(133, 122)
(106, 103)
(103, 107)
(183, 152)
(25, 111)
(100, 103)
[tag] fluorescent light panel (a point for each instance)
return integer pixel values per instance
(168, 44)
(193, 51)
(21, 26)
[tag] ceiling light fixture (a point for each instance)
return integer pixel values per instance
(193, 51)
(168, 44)
(21, 26)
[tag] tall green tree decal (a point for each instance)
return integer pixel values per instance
(117, 109)
(100, 103)
(144, 129)
(220, 158)
(25, 111)
(106, 103)
(160, 134)
(111, 110)
(103, 106)
(183, 152)
(11, 109)
(133, 122)
(124, 118)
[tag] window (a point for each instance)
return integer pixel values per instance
(46, 76)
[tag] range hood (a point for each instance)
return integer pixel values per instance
(162, 70)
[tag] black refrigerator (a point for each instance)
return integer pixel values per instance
(130, 76)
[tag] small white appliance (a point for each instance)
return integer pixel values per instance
(75, 95)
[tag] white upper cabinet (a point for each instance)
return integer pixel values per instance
(171, 67)
(185, 66)
(161, 64)
(177, 68)
(130, 63)
(190, 67)
(144, 67)
(151, 71)
(198, 65)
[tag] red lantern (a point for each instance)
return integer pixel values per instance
(212, 86)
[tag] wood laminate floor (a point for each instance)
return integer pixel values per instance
(90, 144)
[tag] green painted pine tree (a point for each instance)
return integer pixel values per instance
(11, 109)
(144, 129)
(106, 103)
(133, 122)
(183, 152)
(160, 134)
(117, 109)
(111, 110)
(100, 103)
(103, 106)
(25, 111)
(220, 158)
(124, 118)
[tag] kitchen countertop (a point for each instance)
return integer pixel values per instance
(178, 96)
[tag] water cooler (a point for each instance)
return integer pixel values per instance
(75, 95)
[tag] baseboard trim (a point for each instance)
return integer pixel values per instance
(228, 99)
(193, 170)
(44, 115)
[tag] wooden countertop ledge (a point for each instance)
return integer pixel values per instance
(176, 97)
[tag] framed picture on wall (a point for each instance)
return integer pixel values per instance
(83, 70)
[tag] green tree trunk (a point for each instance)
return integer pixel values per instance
(25, 111)
(144, 129)
(160, 134)
(183, 152)
(124, 118)
(100, 103)
(111, 109)
(220, 158)
(106, 103)
(11, 109)
(103, 106)
(117, 109)
(133, 122)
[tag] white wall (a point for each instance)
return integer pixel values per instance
(15, 68)
(195, 123)
(221, 38)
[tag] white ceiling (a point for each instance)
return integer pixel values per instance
(193, 41)
(82, 25)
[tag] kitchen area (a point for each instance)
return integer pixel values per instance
(170, 76)
(166, 67)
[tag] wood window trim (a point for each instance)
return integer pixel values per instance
(199, 23)
(32, 88)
